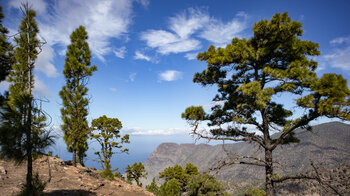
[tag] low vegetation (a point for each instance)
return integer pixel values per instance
(177, 180)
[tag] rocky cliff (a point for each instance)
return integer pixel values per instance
(327, 144)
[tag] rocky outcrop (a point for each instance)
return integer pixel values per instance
(63, 179)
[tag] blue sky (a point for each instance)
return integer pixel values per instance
(145, 51)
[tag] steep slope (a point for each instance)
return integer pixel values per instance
(328, 144)
(65, 179)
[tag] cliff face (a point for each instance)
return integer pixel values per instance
(328, 144)
(64, 180)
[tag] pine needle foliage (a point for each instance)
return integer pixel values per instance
(22, 131)
(136, 172)
(75, 101)
(251, 75)
(6, 50)
(106, 131)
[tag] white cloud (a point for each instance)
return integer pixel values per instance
(144, 3)
(191, 56)
(132, 77)
(207, 107)
(184, 27)
(141, 131)
(188, 22)
(180, 46)
(104, 20)
(141, 56)
(120, 52)
(166, 42)
(170, 75)
(62, 52)
(219, 32)
(340, 40)
(113, 89)
(40, 89)
(339, 57)
(44, 62)
(38, 5)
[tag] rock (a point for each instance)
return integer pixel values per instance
(3, 170)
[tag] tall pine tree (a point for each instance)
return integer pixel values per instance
(22, 124)
(77, 69)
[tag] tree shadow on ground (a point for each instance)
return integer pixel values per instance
(70, 192)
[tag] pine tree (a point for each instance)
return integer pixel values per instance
(77, 69)
(135, 172)
(153, 187)
(204, 184)
(250, 75)
(22, 133)
(178, 173)
(107, 132)
(6, 57)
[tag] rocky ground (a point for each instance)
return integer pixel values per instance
(63, 179)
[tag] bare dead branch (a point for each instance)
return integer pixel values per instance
(317, 177)
(245, 136)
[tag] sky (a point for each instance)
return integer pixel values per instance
(145, 51)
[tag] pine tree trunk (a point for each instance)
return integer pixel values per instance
(269, 187)
(29, 149)
(74, 158)
(29, 128)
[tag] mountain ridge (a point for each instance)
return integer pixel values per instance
(327, 143)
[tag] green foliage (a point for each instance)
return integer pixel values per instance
(106, 131)
(14, 123)
(204, 184)
(251, 74)
(255, 192)
(177, 173)
(170, 188)
(135, 172)
(108, 174)
(22, 122)
(153, 187)
(37, 189)
(191, 169)
(77, 69)
(6, 54)
(194, 113)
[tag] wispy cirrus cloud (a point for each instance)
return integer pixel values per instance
(191, 56)
(113, 89)
(170, 75)
(104, 20)
(120, 52)
(187, 27)
(340, 40)
(140, 56)
(339, 57)
(132, 77)
(40, 6)
(220, 33)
